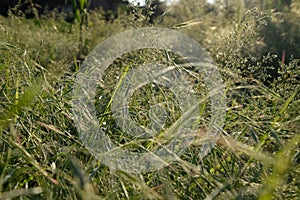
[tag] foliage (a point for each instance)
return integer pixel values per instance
(81, 16)
(257, 156)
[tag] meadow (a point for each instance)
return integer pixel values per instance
(256, 50)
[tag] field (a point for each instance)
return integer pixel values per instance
(256, 156)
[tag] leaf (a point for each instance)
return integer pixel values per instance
(82, 4)
(27, 99)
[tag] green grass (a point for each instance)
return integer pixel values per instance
(42, 156)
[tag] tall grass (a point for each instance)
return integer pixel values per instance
(42, 156)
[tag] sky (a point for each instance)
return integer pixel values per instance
(142, 2)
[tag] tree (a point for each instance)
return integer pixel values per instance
(29, 6)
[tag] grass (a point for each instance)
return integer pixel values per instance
(42, 156)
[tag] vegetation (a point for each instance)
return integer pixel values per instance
(256, 49)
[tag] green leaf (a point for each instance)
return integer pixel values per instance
(25, 100)
(82, 4)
